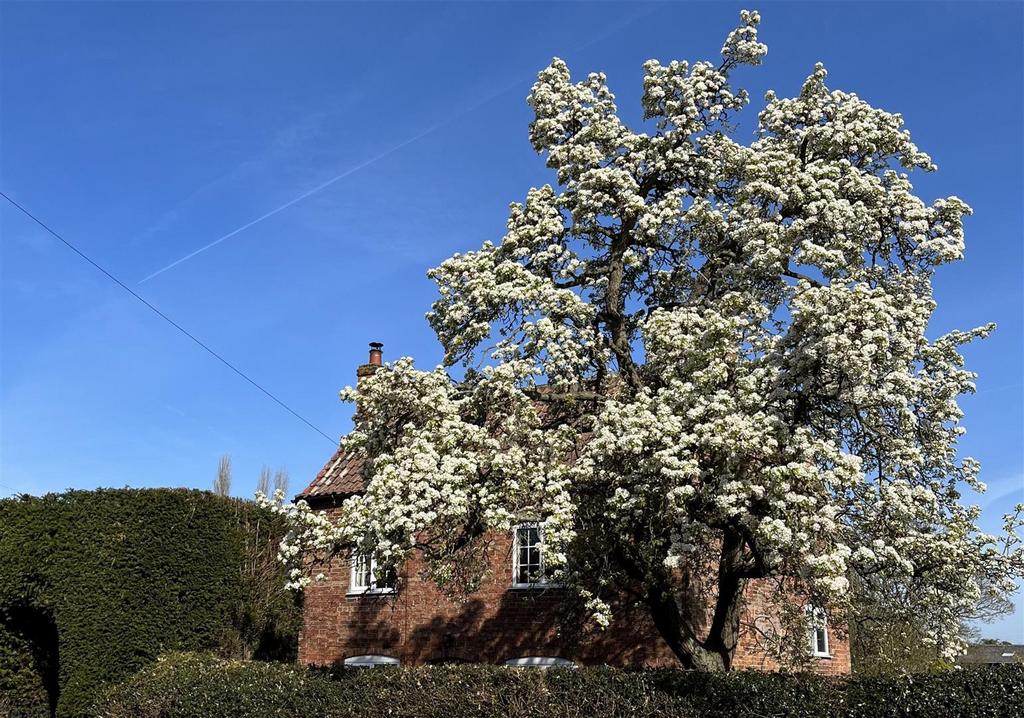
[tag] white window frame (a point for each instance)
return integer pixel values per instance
(355, 589)
(543, 582)
(818, 624)
(542, 662)
(371, 661)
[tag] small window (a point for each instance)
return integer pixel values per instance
(528, 569)
(540, 662)
(818, 633)
(371, 661)
(365, 577)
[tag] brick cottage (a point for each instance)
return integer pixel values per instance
(355, 617)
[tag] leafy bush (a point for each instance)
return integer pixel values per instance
(195, 686)
(979, 692)
(202, 685)
(22, 692)
(95, 584)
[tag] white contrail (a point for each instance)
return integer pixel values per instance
(385, 153)
(301, 197)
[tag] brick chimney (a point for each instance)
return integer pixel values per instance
(374, 362)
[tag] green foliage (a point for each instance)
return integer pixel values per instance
(883, 645)
(22, 692)
(197, 685)
(975, 692)
(94, 585)
(194, 686)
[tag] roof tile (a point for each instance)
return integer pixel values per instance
(341, 475)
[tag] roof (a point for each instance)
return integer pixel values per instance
(990, 654)
(342, 475)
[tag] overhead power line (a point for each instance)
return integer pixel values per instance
(167, 319)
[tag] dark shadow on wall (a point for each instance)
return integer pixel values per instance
(35, 628)
(524, 623)
(373, 624)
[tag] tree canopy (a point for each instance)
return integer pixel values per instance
(698, 363)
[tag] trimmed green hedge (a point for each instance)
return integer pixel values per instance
(22, 692)
(195, 686)
(94, 585)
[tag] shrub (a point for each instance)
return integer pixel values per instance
(193, 686)
(96, 584)
(978, 692)
(22, 692)
(203, 685)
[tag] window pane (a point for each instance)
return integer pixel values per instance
(388, 578)
(371, 661)
(822, 640)
(361, 572)
(529, 559)
(540, 662)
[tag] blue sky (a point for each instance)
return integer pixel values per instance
(143, 132)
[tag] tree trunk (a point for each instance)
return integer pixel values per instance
(725, 623)
(715, 652)
(678, 633)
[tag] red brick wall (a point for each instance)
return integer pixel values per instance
(759, 600)
(496, 623)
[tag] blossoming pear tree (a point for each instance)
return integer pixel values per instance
(698, 364)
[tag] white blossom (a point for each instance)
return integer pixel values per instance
(692, 358)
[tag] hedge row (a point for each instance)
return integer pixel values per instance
(94, 585)
(22, 692)
(195, 686)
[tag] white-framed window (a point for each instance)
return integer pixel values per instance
(528, 569)
(817, 633)
(364, 577)
(540, 662)
(371, 661)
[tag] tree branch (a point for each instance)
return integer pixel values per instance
(787, 272)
